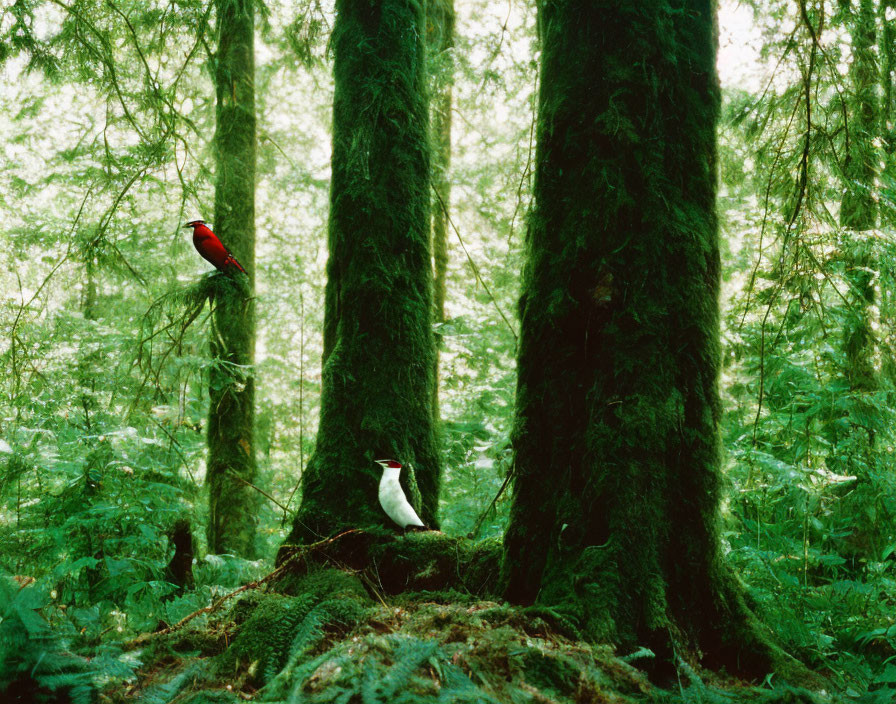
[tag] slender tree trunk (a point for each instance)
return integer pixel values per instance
(376, 400)
(440, 44)
(614, 516)
(858, 210)
(232, 504)
(89, 295)
(887, 66)
(887, 43)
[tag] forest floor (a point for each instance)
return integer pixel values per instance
(321, 630)
(416, 648)
(323, 633)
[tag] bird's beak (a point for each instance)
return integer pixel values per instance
(187, 226)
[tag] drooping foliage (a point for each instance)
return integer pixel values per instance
(807, 328)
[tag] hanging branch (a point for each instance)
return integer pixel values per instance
(476, 268)
(802, 188)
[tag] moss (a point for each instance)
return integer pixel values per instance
(550, 672)
(376, 399)
(417, 561)
(434, 561)
(440, 20)
(211, 696)
(266, 633)
(323, 582)
(282, 627)
(858, 208)
(421, 652)
(617, 403)
(231, 439)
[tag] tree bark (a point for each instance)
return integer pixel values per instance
(231, 442)
(887, 66)
(858, 210)
(440, 45)
(614, 509)
(376, 400)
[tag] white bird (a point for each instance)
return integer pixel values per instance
(392, 497)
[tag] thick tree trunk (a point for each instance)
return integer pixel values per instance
(440, 44)
(376, 400)
(614, 516)
(231, 443)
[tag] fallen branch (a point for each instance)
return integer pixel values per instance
(301, 551)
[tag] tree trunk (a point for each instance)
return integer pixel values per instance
(376, 400)
(887, 66)
(231, 443)
(614, 516)
(854, 453)
(440, 44)
(858, 210)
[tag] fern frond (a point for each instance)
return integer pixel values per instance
(409, 655)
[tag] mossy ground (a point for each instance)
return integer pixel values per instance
(329, 634)
(418, 648)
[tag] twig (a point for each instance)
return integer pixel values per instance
(473, 533)
(474, 267)
(261, 491)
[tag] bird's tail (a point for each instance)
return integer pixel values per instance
(232, 260)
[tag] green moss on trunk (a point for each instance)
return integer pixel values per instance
(614, 514)
(231, 443)
(440, 45)
(858, 210)
(378, 345)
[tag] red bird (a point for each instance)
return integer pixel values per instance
(211, 248)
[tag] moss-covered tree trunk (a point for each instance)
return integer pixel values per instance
(614, 507)
(855, 453)
(440, 44)
(231, 456)
(887, 51)
(378, 370)
(858, 210)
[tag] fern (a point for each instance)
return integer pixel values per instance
(169, 691)
(370, 684)
(283, 633)
(34, 660)
(292, 678)
(410, 654)
(457, 687)
(308, 633)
